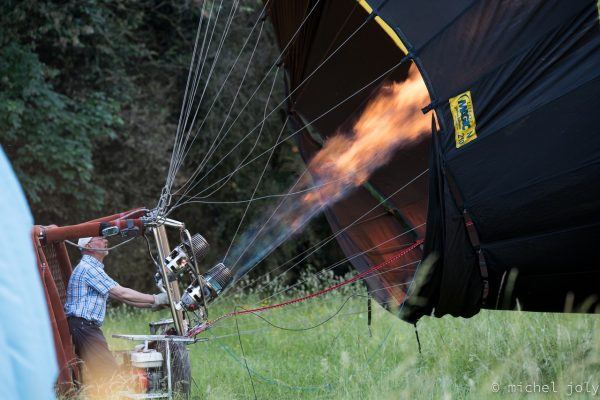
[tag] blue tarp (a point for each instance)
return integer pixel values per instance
(27, 357)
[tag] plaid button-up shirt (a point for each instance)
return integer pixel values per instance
(87, 292)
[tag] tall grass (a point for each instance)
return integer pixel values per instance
(343, 359)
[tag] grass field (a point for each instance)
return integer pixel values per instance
(473, 358)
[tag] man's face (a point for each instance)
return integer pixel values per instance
(98, 243)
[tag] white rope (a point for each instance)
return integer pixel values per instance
(218, 138)
(182, 145)
(319, 245)
(208, 79)
(198, 170)
(302, 253)
(200, 199)
(185, 94)
(165, 197)
(338, 263)
(263, 171)
(341, 231)
(216, 97)
(181, 141)
(389, 70)
(200, 62)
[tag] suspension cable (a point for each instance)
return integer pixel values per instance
(283, 101)
(341, 231)
(388, 71)
(198, 170)
(195, 331)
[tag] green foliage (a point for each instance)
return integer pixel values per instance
(49, 135)
(80, 82)
(90, 97)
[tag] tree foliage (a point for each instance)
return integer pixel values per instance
(48, 134)
(90, 97)
(77, 80)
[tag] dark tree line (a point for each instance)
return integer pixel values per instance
(90, 97)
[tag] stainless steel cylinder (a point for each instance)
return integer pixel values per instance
(219, 277)
(200, 247)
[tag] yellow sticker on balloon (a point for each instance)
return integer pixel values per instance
(461, 107)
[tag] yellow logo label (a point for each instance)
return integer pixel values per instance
(464, 118)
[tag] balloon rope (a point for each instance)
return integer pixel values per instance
(284, 101)
(327, 240)
(306, 253)
(184, 103)
(198, 329)
(188, 99)
(259, 180)
(260, 19)
(378, 273)
(337, 264)
(218, 138)
(207, 81)
(335, 106)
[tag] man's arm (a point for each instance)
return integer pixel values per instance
(136, 304)
(131, 297)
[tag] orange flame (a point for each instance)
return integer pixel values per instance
(390, 121)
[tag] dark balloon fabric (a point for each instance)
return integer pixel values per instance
(512, 196)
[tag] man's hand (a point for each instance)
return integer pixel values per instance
(161, 300)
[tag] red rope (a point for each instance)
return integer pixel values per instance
(195, 331)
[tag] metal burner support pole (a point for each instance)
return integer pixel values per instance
(172, 288)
